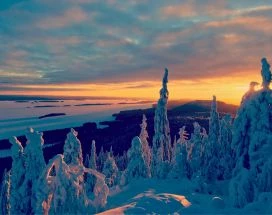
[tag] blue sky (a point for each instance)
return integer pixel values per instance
(114, 41)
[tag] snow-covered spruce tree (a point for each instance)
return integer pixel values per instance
(61, 188)
(250, 91)
(211, 162)
(63, 192)
(110, 170)
(93, 157)
(205, 142)
(161, 147)
(137, 167)
(159, 168)
(180, 165)
(225, 153)
(173, 151)
(183, 136)
(121, 161)
(266, 74)
(111, 152)
(5, 194)
(34, 165)
(242, 188)
(146, 149)
(72, 153)
(18, 189)
(87, 160)
(90, 180)
(101, 159)
(252, 138)
(72, 149)
(195, 150)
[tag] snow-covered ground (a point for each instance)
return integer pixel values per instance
(15, 117)
(172, 196)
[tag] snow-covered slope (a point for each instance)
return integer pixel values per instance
(154, 196)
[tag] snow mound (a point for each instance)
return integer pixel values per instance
(155, 196)
(218, 203)
(151, 203)
(119, 210)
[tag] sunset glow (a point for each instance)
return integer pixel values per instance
(227, 89)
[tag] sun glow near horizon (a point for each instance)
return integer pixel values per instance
(227, 89)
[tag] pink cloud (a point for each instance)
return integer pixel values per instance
(251, 23)
(194, 8)
(73, 40)
(71, 16)
(182, 10)
(16, 59)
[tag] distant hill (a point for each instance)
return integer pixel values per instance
(203, 106)
(173, 103)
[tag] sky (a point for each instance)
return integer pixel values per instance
(117, 48)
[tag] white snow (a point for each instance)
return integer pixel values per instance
(168, 196)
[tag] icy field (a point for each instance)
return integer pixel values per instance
(15, 117)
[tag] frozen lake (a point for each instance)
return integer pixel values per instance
(15, 117)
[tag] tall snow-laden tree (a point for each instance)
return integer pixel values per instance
(252, 138)
(63, 192)
(61, 188)
(158, 166)
(72, 149)
(34, 164)
(18, 189)
(93, 157)
(205, 142)
(265, 178)
(146, 149)
(214, 126)
(180, 163)
(212, 149)
(5, 194)
(87, 160)
(195, 151)
(111, 152)
(183, 135)
(72, 154)
(205, 152)
(137, 167)
(110, 170)
(266, 74)
(161, 140)
(101, 159)
(250, 91)
(173, 151)
(225, 153)
(121, 161)
(90, 180)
